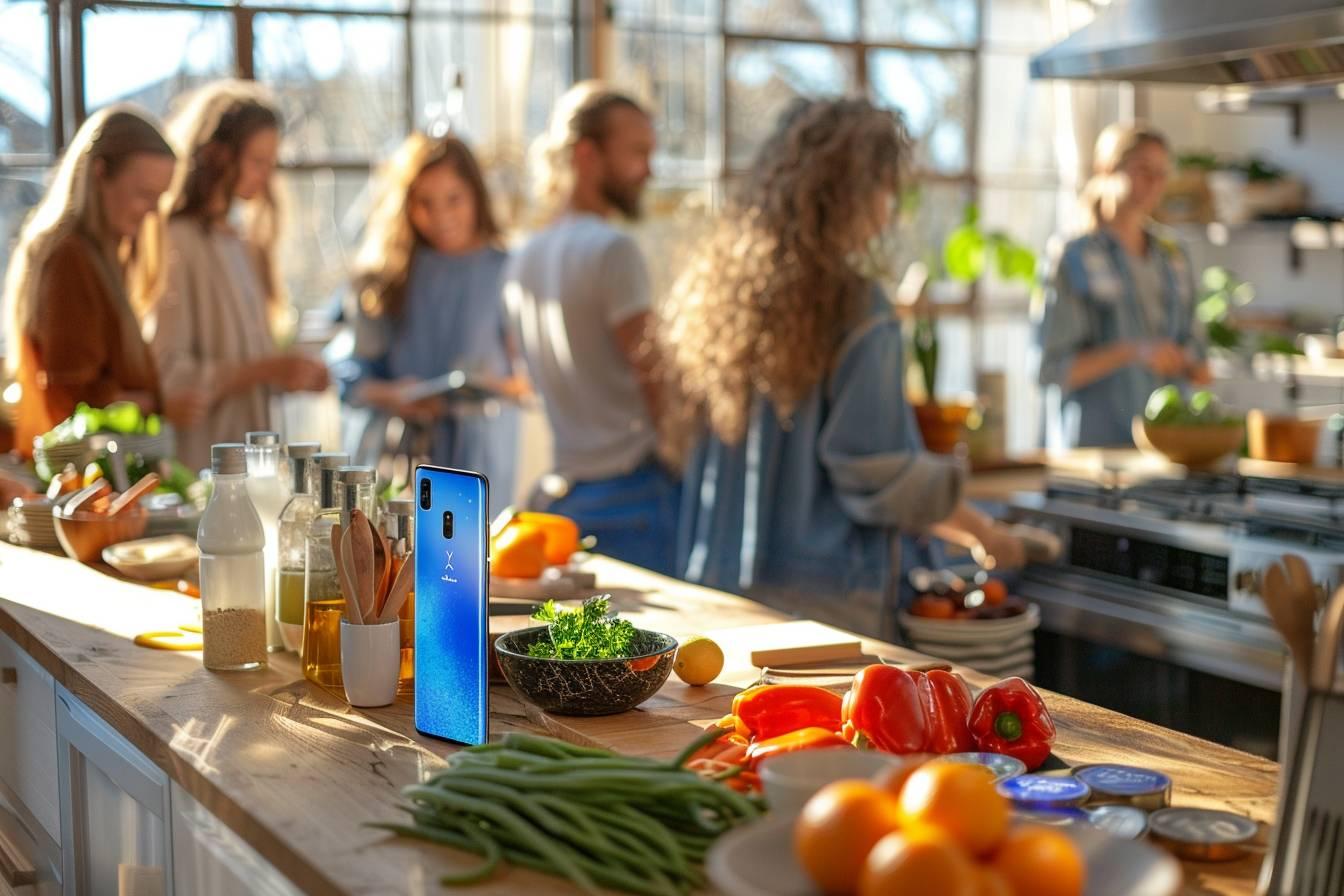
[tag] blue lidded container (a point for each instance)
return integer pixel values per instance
(1126, 822)
(1045, 791)
(1126, 785)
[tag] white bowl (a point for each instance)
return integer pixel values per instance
(791, 779)
(153, 559)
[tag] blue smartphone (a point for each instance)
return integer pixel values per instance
(452, 594)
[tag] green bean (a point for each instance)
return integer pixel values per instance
(636, 839)
(707, 737)
(653, 831)
(530, 743)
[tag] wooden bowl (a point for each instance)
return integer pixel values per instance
(586, 687)
(83, 535)
(1283, 439)
(1198, 445)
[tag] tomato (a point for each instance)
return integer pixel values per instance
(995, 592)
(933, 606)
(959, 800)
(1041, 861)
(836, 830)
(918, 861)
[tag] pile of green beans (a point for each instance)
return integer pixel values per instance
(596, 817)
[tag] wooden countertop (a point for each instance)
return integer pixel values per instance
(295, 771)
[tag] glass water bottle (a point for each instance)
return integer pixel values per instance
(270, 492)
(323, 603)
(233, 577)
(399, 527)
(293, 541)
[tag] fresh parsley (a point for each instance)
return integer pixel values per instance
(589, 632)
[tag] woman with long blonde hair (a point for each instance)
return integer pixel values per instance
(427, 285)
(71, 329)
(806, 464)
(213, 318)
(1119, 318)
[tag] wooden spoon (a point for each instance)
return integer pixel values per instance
(382, 572)
(361, 548)
(345, 572)
(396, 595)
(1290, 598)
(132, 495)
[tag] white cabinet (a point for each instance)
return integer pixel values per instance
(28, 738)
(209, 859)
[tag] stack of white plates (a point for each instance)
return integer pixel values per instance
(31, 525)
(1002, 647)
(88, 448)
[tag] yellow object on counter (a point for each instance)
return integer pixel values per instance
(179, 639)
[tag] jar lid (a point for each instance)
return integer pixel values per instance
(303, 450)
(1000, 765)
(228, 458)
(331, 460)
(1045, 790)
(1203, 834)
(1123, 780)
(1060, 818)
(262, 437)
(351, 475)
(1125, 822)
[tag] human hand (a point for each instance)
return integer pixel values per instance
(999, 548)
(300, 373)
(187, 407)
(1163, 357)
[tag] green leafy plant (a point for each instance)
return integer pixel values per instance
(1223, 292)
(968, 249)
(590, 632)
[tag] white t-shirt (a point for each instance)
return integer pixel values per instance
(566, 291)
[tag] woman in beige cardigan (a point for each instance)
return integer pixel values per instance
(211, 323)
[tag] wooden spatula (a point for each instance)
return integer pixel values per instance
(396, 595)
(1290, 597)
(363, 557)
(132, 495)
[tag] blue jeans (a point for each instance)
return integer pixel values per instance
(632, 516)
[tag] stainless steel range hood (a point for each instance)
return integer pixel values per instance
(1253, 42)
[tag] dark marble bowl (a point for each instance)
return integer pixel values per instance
(586, 687)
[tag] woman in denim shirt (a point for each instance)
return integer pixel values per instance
(805, 464)
(1119, 319)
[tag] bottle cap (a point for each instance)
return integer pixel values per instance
(303, 450)
(229, 459)
(357, 475)
(331, 460)
(328, 485)
(1128, 784)
(1125, 822)
(262, 437)
(1202, 834)
(1060, 818)
(1045, 791)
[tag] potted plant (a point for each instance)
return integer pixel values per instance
(966, 252)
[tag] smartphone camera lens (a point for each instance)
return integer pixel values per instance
(424, 494)
(447, 524)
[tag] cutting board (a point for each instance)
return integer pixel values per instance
(797, 643)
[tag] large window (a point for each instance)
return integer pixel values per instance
(352, 77)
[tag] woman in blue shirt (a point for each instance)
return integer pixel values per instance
(804, 464)
(1119, 317)
(428, 280)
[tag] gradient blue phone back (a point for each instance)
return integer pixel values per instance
(451, 606)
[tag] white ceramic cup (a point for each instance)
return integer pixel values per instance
(370, 662)
(791, 779)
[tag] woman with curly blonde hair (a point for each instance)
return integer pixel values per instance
(427, 281)
(212, 319)
(807, 464)
(71, 287)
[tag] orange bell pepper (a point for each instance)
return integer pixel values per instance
(562, 534)
(802, 739)
(774, 709)
(519, 552)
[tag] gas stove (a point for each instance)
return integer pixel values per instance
(1171, 567)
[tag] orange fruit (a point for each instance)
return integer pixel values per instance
(1041, 861)
(893, 778)
(917, 861)
(991, 882)
(837, 828)
(959, 800)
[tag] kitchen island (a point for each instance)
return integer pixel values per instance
(292, 772)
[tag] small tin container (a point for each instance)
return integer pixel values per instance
(1060, 818)
(1045, 791)
(1000, 765)
(1205, 835)
(1125, 822)
(1126, 785)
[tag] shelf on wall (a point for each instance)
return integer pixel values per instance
(1301, 234)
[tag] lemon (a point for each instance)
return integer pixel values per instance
(699, 660)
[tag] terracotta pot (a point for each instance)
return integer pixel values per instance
(942, 425)
(1283, 439)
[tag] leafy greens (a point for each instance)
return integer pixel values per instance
(589, 632)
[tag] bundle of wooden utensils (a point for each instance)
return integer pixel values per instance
(364, 568)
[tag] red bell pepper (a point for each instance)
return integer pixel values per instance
(897, 711)
(1011, 718)
(883, 710)
(774, 709)
(947, 712)
(793, 741)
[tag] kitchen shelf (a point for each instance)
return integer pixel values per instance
(1301, 234)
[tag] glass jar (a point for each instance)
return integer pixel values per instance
(269, 493)
(293, 541)
(359, 491)
(233, 577)
(323, 603)
(399, 527)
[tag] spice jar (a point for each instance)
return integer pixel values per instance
(399, 527)
(233, 572)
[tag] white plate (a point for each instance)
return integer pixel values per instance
(970, 631)
(757, 860)
(153, 559)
